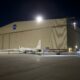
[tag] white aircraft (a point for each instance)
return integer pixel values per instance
(24, 50)
(30, 50)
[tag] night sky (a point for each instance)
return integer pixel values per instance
(18, 10)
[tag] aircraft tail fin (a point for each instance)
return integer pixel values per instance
(38, 45)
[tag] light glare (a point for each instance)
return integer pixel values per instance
(39, 18)
(76, 46)
(74, 24)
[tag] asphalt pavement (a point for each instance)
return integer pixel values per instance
(39, 67)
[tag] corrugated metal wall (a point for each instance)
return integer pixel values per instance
(53, 36)
(1, 42)
(6, 41)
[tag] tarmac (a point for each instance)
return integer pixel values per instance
(39, 67)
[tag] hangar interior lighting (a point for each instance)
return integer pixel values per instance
(39, 18)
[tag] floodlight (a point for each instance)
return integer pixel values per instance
(39, 18)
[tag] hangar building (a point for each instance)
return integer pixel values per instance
(53, 33)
